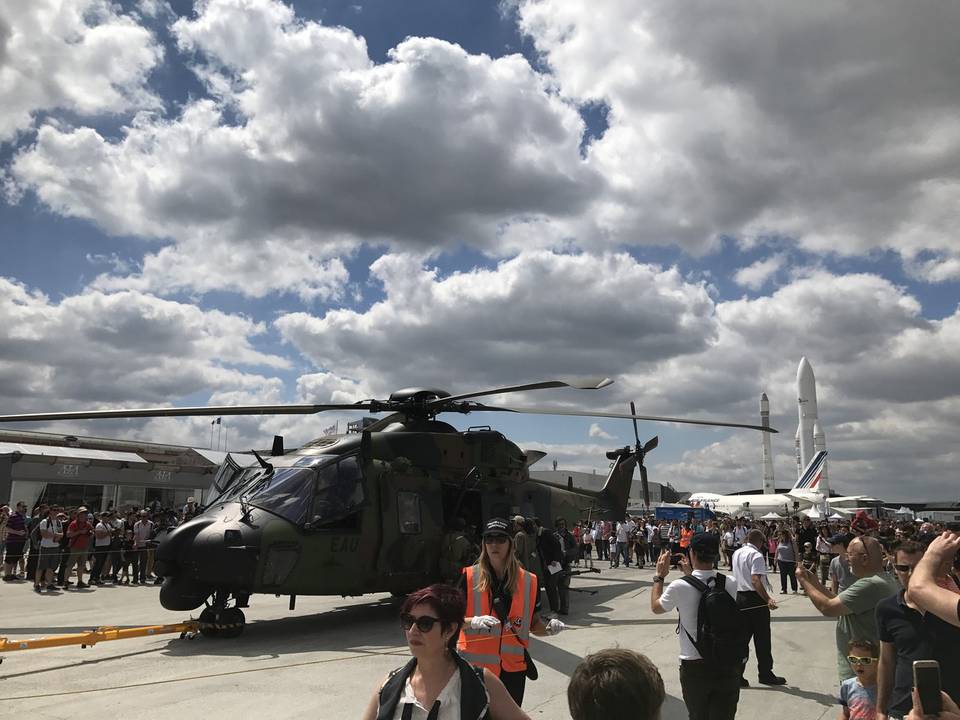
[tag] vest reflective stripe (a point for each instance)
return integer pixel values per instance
(477, 659)
(505, 650)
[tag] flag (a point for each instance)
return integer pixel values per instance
(215, 422)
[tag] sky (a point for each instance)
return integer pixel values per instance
(251, 201)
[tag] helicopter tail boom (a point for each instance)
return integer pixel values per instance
(615, 493)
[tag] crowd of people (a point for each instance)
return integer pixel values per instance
(59, 548)
(892, 586)
(894, 590)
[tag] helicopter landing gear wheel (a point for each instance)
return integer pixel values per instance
(218, 620)
(208, 623)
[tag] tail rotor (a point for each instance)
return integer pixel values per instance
(640, 452)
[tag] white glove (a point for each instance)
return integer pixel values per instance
(555, 627)
(485, 624)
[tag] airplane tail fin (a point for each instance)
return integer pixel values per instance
(809, 480)
(616, 489)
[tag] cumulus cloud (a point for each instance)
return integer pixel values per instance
(598, 432)
(85, 56)
(758, 274)
(123, 348)
(539, 314)
(836, 124)
(211, 263)
(304, 140)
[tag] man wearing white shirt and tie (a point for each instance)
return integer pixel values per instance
(753, 598)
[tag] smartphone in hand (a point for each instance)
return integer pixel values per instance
(926, 678)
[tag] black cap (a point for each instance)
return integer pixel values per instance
(496, 526)
(841, 539)
(704, 542)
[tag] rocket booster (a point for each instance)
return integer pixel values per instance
(820, 443)
(765, 445)
(796, 445)
(807, 410)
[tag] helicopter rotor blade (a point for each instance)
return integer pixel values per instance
(651, 444)
(636, 431)
(576, 383)
(478, 407)
(183, 412)
(645, 485)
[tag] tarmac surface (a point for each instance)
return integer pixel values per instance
(324, 659)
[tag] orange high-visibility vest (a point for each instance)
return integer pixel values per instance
(506, 649)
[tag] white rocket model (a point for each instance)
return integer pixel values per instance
(768, 487)
(807, 409)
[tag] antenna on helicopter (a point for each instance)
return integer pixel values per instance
(640, 451)
(263, 463)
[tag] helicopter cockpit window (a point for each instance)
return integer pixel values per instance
(408, 512)
(226, 475)
(286, 492)
(339, 492)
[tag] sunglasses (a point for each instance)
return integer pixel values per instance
(904, 568)
(854, 660)
(496, 539)
(424, 623)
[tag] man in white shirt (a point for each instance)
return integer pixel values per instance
(142, 532)
(728, 546)
(102, 535)
(623, 532)
(753, 597)
(740, 534)
(51, 531)
(710, 692)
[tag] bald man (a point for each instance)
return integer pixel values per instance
(855, 607)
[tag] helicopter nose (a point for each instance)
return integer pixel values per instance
(174, 547)
(210, 552)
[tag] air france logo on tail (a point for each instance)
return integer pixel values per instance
(811, 476)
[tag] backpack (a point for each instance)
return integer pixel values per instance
(721, 630)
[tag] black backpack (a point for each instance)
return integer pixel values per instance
(721, 630)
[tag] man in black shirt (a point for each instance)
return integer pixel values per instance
(806, 534)
(907, 634)
(551, 554)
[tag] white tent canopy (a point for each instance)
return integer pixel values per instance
(836, 516)
(771, 516)
(812, 513)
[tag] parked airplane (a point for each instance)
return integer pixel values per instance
(806, 493)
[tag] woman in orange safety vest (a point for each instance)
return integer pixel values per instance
(503, 608)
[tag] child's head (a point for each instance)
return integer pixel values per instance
(863, 656)
(614, 683)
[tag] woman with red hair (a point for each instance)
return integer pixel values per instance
(437, 684)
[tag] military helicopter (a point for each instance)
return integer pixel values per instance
(365, 512)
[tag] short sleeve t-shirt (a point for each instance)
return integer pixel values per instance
(840, 569)
(747, 562)
(47, 525)
(861, 599)
(686, 599)
(83, 531)
(859, 700)
(102, 526)
(918, 636)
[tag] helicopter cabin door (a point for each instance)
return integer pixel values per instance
(412, 527)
